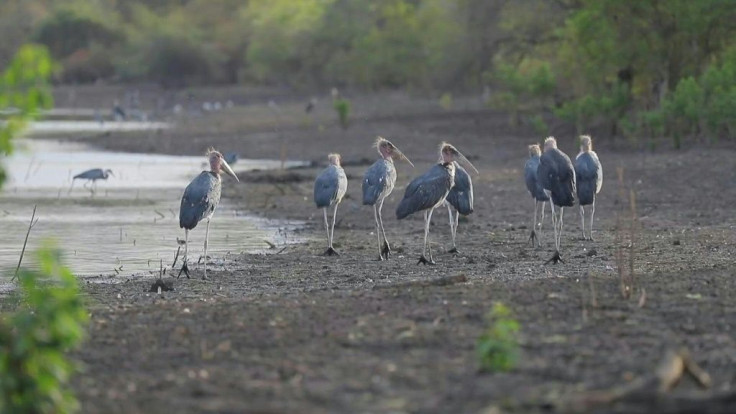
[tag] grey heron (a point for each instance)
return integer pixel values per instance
(557, 177)
(92, 175)
(378, 183)
(536, 191)
(460, 199)
(589, 175)
(329, 189)
(429, 190)
(200, 200)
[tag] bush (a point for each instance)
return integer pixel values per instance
(342, 107)
(498, 347)
(34, 370)
(66, 32)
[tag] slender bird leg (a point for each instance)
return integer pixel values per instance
(330, 233)
(378, 231)
(554, 222)
(184, 267)
(533, 235)
(559, 232)
(541, 222)
(592, 213)
(386, 251)
(70, 187)
(453, 229)
(206, 237)
(582, 221)
(557, 225)
(422, 258)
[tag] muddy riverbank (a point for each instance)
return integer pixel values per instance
(292, 331)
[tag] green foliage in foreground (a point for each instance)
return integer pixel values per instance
(24, 90)
(498, 347)
(34, 370)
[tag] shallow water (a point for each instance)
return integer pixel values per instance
(131, 222)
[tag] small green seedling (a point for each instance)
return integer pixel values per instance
(498, 347)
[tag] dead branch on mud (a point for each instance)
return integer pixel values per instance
(440, 281)
(25, 242)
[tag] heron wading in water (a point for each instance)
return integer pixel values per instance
(329, 189)
(378, 183)
(460, 199)
(200, 200)
(556, 174)
(91, 176)
(589, 175)
(537, 192)
(429, 190)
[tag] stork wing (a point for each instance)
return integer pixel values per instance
(378, 180)
(200, 199)
(425, 191)
(461, 194)
(326, 186)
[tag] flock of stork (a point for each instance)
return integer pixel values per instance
(550, 176)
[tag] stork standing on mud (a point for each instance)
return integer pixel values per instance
(460, 199)
(537, 192)
(92, 175)
(329, 189)
(200, 200)
(557, 177)
(589, 175)
(378, 183)
(429, 190)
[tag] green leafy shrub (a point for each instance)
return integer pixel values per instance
(34, 370)
(24, 86)
(342, 107)
(498, 347)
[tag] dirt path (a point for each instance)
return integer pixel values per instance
(292, 331)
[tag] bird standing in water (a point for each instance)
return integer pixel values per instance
(537, 192)
(329, 189)
(589, 175)
(378, 183)
(429, 190)
(200, 200)
(557, 176)
(92, 175)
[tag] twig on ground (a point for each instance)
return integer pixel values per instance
(25, 242)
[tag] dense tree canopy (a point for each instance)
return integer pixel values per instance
(635, 65)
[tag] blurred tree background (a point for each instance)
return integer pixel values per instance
(628, 67)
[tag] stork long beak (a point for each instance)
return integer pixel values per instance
(226, 167)
(468, 163)
(400, 155)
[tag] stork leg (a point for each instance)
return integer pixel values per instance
(423, 258)
(378, 231)
(184, 267)
(559, 232)
(70, 187)
(582, 221)
(331, 233)
(533, 235)
(386, 251)
(453, 229)
(541, 222)
(557, 227)
(592, 213)
(206, 238)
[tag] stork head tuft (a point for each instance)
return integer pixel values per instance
(586, 143)
(334, 159)
(449, 153)
(534, 150)
(218, 163)
(550, 143)
(389, 151)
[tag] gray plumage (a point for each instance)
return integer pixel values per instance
(589, 176)
(330, 186)
(378, 181)
(557, 175)
(530, 177)
(428, 190)
(461, 194)
(93, 174)
(200, 199)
